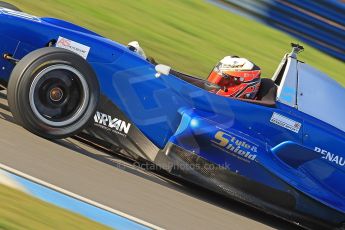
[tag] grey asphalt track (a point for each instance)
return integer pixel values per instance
(116, 183)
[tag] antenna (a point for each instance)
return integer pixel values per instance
(296, 49)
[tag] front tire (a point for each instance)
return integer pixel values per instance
(9, 6)
(53, 93)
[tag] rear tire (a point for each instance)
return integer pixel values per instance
(53, 93)
(9, 6)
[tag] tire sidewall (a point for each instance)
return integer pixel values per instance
(24, 74)
(9, 6)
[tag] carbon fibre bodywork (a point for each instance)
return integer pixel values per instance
(279, 159)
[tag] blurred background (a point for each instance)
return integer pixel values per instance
(193, 35)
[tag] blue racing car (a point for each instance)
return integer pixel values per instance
(282, 153)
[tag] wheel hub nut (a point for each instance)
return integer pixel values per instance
(56, 94)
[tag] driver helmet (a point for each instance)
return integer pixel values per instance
(237, 77)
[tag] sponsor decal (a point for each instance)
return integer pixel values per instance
(233, 65)
(286, 122)
(73, 46)
(235, 146)
(19, 14)
(331, 157)
(111, 124)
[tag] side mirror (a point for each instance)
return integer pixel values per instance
(162, 69)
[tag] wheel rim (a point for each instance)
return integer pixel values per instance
(59, 95)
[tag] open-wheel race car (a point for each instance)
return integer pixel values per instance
(282, 153)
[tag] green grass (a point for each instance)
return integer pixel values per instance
(20, 211)
(191, 35)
